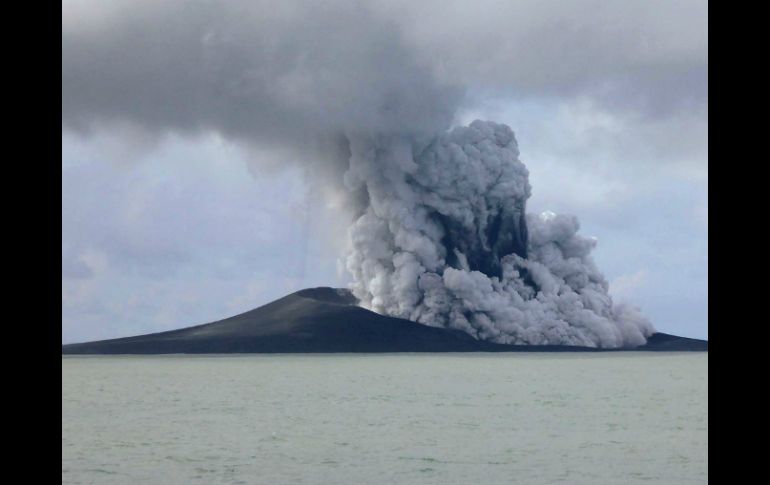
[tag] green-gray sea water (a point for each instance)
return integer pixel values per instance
(615, 418)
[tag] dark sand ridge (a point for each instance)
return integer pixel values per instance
(325, 320)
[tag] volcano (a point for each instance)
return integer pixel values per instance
(328, 320)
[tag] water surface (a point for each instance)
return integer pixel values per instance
(386, 418)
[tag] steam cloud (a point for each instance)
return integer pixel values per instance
(440, 233)
(445, 240)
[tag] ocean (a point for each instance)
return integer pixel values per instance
(605, 418)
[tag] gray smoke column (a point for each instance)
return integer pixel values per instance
(444, 239)
(363, 96)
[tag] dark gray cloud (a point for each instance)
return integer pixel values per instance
(270, 71)
(645, 56)
(254, 71)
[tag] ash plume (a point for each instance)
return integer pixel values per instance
(440, 232)
(445, 240)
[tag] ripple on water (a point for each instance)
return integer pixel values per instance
(445, 419)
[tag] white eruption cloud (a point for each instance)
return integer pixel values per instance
(444, 240)
(366, 96)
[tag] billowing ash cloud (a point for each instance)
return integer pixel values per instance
(259, 72)
(366, 95)
(445, 240)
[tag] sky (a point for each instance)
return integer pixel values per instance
(188, 188)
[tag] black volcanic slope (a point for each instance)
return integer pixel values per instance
(665, 342)
(326, 320)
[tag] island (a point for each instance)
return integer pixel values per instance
(328, 320)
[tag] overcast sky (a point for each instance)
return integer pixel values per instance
(185, 194)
